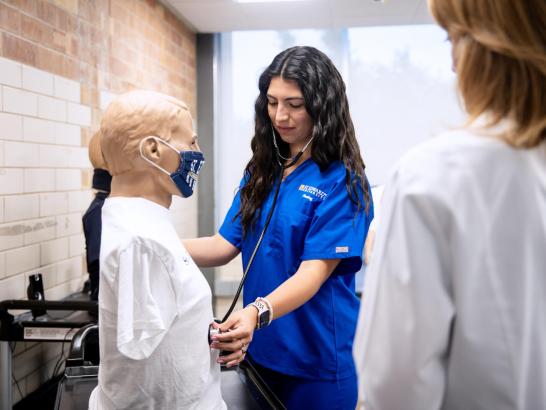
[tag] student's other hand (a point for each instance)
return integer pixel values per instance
(236, 335)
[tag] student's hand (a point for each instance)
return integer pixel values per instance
(236, 335)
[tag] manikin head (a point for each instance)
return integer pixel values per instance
(101, 177)
(142, 133)
(95, 152)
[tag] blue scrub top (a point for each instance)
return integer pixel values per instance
(313, 219)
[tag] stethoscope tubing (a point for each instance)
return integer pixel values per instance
(262, 234)
(255, 251)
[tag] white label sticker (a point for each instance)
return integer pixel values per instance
(342, 249)
(49, 333)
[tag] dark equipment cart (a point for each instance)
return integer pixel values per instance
(47, 321)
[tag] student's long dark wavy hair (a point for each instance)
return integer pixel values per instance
(326, 103)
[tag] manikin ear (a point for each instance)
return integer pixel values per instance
(152, 150)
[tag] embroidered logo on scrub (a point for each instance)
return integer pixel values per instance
(317, 193)
(342, 249)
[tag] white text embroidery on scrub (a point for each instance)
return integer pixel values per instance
(313, 191)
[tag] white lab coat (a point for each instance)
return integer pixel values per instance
(454, 305)
(154, 312)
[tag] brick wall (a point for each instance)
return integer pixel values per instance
(61, 62)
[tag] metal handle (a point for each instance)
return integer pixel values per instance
(77, 349)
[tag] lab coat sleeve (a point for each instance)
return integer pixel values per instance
(407, 312)
(146, 299)
(338, 231)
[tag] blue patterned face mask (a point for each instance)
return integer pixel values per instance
(185, 177)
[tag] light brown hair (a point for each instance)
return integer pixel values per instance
(500, 59)
(131, 117)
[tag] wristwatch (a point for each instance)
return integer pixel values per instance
(264, 312)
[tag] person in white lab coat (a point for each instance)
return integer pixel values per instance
(454, 304)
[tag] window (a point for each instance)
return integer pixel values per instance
(400, 85)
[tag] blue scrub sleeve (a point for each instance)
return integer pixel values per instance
(337, 231)
(231, 229)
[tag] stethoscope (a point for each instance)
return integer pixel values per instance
(280, 158)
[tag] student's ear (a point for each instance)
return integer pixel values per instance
(151, 149)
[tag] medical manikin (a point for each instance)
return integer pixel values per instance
(154, 303)
(92, 221)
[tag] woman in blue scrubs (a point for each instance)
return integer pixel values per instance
(300, 290)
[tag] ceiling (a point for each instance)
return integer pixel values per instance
(210, 16)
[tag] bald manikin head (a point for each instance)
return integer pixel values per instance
(131, 117)
(95, 152)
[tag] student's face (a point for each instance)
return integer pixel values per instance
(287, 111)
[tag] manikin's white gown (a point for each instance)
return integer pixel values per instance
(154, 312)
